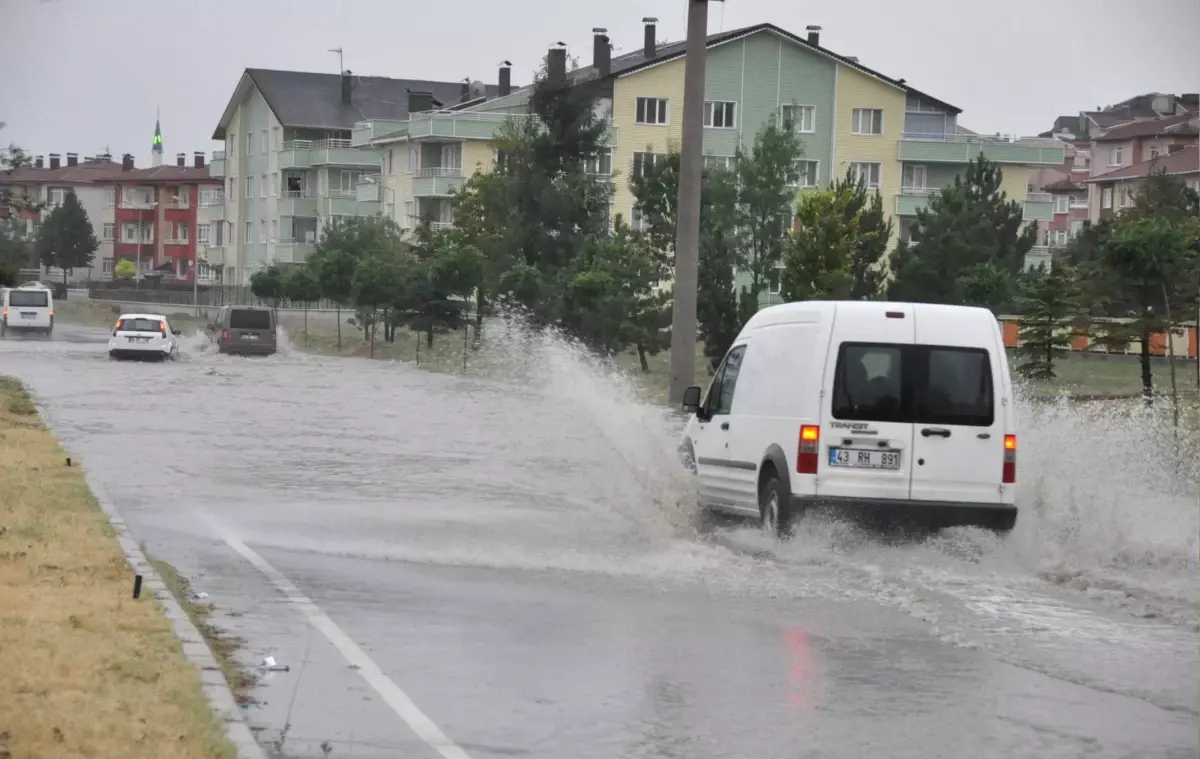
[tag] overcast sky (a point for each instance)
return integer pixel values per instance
(80, 75)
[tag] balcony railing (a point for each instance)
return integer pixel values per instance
(208, 200)
(179, 203)
(365, 131)
(1040, 197)
(218, 155)
(963, 148)
(137, 204)
(440, 171)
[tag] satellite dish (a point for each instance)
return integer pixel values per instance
(477, 89)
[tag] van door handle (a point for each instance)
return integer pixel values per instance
(930, 431)
(724, 425)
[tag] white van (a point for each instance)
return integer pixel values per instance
(878, 407)
(27, 309)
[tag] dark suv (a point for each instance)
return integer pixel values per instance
(245, 330)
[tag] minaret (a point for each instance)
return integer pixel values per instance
(156, 151)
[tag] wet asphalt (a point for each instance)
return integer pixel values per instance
(514, 558)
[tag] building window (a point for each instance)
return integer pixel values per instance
(411, 160)
(110, 232)
(274, 184)
(1125, 199)
(56, 196)
(800, 118)
(262, 186)
(637, 221)
(1154, 152)
(601, 163)
(249, 143)
(107, 266)
(249, 231)
(869, 173)
(179, 231)
(130, 232)
(773, 281)
(1106, 198)
(203, 234)
(806, 173)
(391, 160)
(720, 114)
(1075, 228)
(1062, 203)
(262, 230)
(1116, 156)
(249, 187)
(643, 161)
(914, 176)
(1058, 237)
(866, 121)
(408, 214)
(718, 162)
(652, 111)
(265, 144)
(274, 229)
(277, 138)
(211, 196)
(110, 197)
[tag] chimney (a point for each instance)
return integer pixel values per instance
(198, 159)
(505, 78)
(181, 159)
(346, 86)
(105, 156)
(601, 52)
(852, 58)
(814, 35)
(556, 65)
(72, 159)
(419, 101)
(39, 162)
(650, 49)
(127, 162)
(55, 160)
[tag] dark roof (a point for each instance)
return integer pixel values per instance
(631, 62)
(1186, 161)
(1062, 185)
(172, 173)
(1171, 125)
(79, 174)
(305, 99)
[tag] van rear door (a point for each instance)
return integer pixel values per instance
(959, 416)
(866, 440)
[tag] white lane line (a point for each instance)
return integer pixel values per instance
(393, 696)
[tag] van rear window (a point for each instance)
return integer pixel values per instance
(914, 384)
(28, 298)
(249, 318)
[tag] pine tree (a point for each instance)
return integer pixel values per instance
(1049, 307)
(66, 240)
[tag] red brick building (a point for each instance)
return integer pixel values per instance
(163, 214)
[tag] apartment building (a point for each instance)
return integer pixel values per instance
(1137, 146)
(905, 143)
(49, 181)
(1116, 190)
(288, 167)
(1064, 184)
(167, 218)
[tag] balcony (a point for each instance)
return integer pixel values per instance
(213, 255)
(365, 131)
(471, 125)
(437, 181)
(304, 154)
(912, 199)
(180, 203)
(964, 148)
(216, 167)
(369, 189)
(1039, 206)
(292, 251)
(296, 203)
(345, 203)
(1038, 255)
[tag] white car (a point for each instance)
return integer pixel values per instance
(143, 336)
(27, 309)
(873, 407)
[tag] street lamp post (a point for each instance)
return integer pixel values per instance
(687, 234)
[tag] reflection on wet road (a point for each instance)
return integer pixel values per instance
(517, 557)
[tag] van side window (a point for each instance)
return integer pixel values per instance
(868, 384)
(733, 365)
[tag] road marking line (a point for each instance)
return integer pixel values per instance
(393, 696)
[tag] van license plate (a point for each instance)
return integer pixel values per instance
(28, 314)
(863, 458)
(249, 337)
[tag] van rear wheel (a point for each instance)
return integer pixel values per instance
(774, 506)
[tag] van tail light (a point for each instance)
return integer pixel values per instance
(1010, 460)
(224, 334)
(810, 444)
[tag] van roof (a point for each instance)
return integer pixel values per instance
(160, 317)
(816, 310)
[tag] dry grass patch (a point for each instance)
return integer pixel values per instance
(87, 671)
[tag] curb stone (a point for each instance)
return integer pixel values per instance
(195, 648)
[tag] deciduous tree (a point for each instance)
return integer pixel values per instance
(66, 239)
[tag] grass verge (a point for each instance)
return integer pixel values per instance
(101, 314)
(87, 670)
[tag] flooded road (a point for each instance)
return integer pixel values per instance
(508, 567)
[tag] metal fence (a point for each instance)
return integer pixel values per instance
(204, 297)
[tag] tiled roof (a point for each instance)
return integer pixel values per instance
(172, 173)
(80, 174)
(1186, 161)
(1063, 185)
(1171, 125)
(305, 99)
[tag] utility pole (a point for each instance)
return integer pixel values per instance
(687, 234)
(341, 63)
